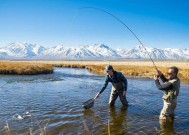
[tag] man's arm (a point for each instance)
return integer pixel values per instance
(105, 85)
(103, 88)
(162, 77)
(164, 86)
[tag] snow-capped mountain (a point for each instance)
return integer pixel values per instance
(85, 51)
(21, 50)
(140, 52)
(18, 50)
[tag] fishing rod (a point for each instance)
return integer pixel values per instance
(126, 27)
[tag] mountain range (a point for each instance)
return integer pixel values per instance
(18, 50)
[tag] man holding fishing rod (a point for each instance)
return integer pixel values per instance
(170, 87)
(119, 86)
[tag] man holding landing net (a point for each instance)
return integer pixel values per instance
(170, 87)
(119, 86)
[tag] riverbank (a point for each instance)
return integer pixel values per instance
(130, 68)
(24, 68)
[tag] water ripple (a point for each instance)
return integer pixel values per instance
(55, 100)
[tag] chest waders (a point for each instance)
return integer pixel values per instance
(170, 100)
(117, 90)
(172, 94)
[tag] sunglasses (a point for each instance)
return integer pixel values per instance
(169, 73)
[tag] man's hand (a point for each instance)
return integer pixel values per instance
(124, 93)
(155, 77)
(97, 95)
(159, 73)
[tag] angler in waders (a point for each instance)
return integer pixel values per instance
(170, 87)
(119, 86)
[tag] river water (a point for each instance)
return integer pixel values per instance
(54, 104)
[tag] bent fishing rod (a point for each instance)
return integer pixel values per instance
(125, 26)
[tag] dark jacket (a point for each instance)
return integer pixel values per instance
(115, 78)
(170, 87)
(165, 85)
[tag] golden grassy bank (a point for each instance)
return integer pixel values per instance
(142, 69)
(130, 68)
(24, 68)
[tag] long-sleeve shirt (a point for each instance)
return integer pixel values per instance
(115, 78)
(165, 85)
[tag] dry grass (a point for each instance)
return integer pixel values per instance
(142, 69)
(130, 68)
(180, 64)
(139, 71)
(24, 68)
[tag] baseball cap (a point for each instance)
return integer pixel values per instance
(108, 67)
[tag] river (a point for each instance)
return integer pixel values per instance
(54, 102)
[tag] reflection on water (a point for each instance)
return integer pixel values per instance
(118, 120)
(54, 102)
(167, 127)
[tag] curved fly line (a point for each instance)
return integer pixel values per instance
(119, 20)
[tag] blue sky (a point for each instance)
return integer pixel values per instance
(157, 23)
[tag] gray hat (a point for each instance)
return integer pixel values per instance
(108, 67)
